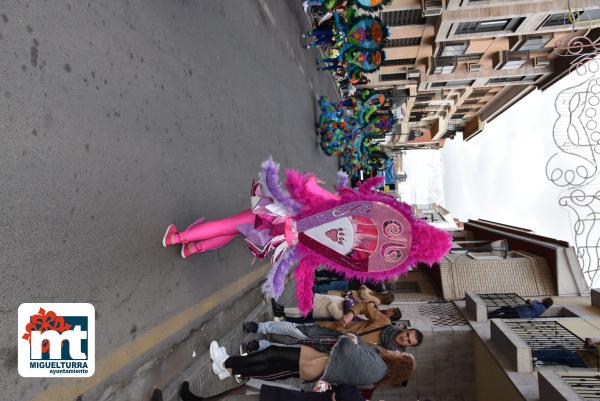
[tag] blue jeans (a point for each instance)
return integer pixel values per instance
(339, 285)
(281, 328)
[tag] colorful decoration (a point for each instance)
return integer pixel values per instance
(371, 5)
(360, 233)
(348, 129)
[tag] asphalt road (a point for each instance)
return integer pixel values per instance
(118, 117)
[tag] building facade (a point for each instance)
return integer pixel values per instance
(453, 65)
(467, 357)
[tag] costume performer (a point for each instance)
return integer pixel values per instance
(358, 233)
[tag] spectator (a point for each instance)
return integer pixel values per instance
(328, 307)
(590, 355)
(532, 309)
(377, 329)
(350, 361)
(340, 392)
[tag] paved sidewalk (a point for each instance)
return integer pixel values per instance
(203, 381)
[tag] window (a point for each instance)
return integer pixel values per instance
(534, 42)
(443, 65)
(399, 61)
(392, 77)
(424, 97)
(508, 24)
(505, 79)
(464, 82)
(453, 48)
(558, 19)
(505, 60)
(403, 17)
(569, 18)
(403, 42)
(526, 78)
(458, 116)
(471, 57)
(416, 115)
(469, 101)
(513, 64)
(479, 93)
(590, 15)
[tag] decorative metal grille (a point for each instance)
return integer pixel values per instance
(443, 314)
(586, 386)
(494, 301)
(551, 343)
(546, 334)
(575, 165)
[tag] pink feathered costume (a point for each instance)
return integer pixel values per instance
(360, 233)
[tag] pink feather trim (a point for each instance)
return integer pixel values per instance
(305, 279)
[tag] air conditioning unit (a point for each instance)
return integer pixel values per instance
(541, 62)
(431, 8)
(474, 67)
(414, 73)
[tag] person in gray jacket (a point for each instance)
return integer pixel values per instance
(351, 361)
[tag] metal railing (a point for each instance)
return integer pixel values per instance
(497, 300)
(586, 386)
(551, 343)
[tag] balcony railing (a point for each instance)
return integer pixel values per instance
(586, 386)
(560, 385)
(497, 300)
(551, 343)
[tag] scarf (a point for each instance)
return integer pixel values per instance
(387, 338)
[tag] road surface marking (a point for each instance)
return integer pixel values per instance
(70, 389)
(268, 12)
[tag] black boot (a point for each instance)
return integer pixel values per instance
(186, 395)
(249, 327)
(248, 347)
(278, 310)
(157, 395)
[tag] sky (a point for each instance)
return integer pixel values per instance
(500, 175)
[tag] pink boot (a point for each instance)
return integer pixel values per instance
(210, 244)
(171, 236)
(189, 249)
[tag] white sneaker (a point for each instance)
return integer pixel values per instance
(218, 354)
(213, 349)
(221, 372)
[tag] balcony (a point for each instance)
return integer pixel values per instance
(442, 65)
(505, 60)
(479, 305)
(533, 344)
(569, 385)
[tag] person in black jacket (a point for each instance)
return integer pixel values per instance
(340, 392)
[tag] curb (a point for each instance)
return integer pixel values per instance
(203, 381)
